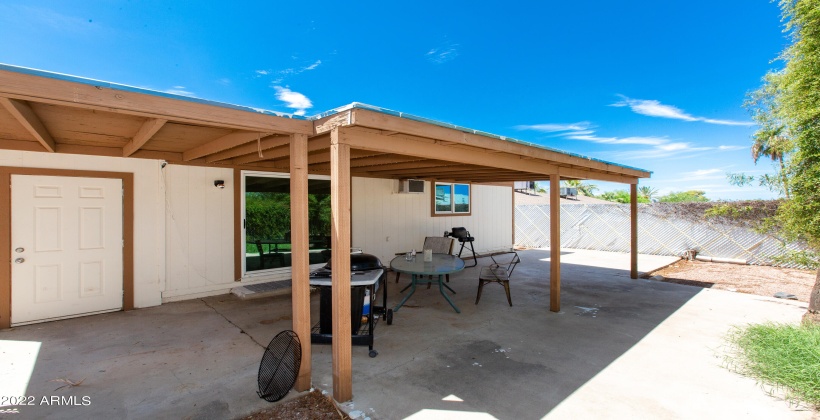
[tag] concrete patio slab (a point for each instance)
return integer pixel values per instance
(619, 348)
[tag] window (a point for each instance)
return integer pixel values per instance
(451, 199)
(266, 214)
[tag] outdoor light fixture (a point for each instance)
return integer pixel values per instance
(219, 183)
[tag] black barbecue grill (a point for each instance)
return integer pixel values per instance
(366, 273)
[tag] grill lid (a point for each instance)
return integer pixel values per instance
(361, 262)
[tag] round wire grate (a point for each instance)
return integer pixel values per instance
(280, 366)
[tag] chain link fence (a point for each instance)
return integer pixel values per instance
(605, 227)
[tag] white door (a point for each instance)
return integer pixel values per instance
(66, 247)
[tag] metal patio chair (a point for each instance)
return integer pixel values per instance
(498, 272)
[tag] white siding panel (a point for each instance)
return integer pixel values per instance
(386, 222)
(199, 235)
(149, 208)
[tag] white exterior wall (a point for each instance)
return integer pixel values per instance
(184, 238)
(149, 220)
(386, 222)
(199, 220)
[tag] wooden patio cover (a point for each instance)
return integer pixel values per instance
(51, 113)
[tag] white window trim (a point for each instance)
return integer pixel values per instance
(453, 199)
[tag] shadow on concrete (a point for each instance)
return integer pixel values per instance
(199, 357)
(509, 362)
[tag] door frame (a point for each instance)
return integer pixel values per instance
(5, 225)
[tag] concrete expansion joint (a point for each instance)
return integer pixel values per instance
(232, 323)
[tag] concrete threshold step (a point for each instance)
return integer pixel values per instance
(260, 290)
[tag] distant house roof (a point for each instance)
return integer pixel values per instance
(544, 199)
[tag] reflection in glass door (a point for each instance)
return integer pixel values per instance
(267, 221)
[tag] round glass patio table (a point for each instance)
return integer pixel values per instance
(441, 265)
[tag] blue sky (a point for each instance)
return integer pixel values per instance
(652, 84)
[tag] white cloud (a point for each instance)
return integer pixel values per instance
(179, 90)
(652, 141)
(654, 108)
(281, 75)
(294, 100)
(443, 54)
(661, 147)
(732, 147)
(550, 128)
(701, 173)
(312, 66)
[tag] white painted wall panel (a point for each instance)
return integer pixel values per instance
(149, 209)
(199, 237)
(386, 222)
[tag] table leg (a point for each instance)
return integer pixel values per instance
(412, 290)
(441, 286)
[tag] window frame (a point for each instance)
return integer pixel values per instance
(276, 273)
(452, 212)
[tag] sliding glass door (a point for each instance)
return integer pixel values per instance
(266, 217)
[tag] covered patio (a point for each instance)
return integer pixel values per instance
(619, 348)
(56, 114)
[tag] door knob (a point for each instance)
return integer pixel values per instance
(19, 250)
(19, 260)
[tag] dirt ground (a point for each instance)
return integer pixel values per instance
(752, 279)
(311, 406)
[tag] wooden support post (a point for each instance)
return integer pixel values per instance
(555, 243)
(633, 221)
(300, 253)
(340, 245)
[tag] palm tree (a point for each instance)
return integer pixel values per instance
(773, 144)
(647, 192)
(585, 189)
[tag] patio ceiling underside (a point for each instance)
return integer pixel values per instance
(59, 116)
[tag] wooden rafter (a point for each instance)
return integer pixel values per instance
(266, 143)
(415, 164)
(275, 153)
(22, 112)
(225, 142)
(314, 144)
(373, 140)
(119, 100)
(146, 131)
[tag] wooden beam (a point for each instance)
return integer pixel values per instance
(367, 118)
(555, 243)
(372, 140)
(148, 129)
(22, 112)
(578, 173)
(300, 253)
(323, 156)
(252, 147)
(373, 158)
(103, 96)
(314, 144)
(431, 171)
(225, 142)
(271, 154)
(633, 228)
(340, 244)
(382, 159)
(327, 124)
